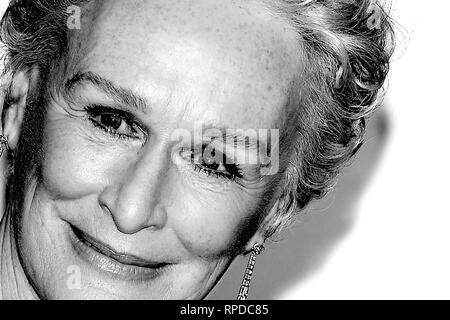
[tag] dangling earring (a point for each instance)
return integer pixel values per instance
(3, 144)
(245, 286)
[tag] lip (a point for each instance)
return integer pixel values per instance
(118, 265)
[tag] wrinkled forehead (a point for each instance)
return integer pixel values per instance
(232, 53)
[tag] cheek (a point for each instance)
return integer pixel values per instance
(67, 171)
(208, 222)
(75, 165)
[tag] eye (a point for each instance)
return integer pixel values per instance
(215, 164)
(115, 122)
(112, 121)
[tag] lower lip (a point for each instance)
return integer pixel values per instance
(112, 267)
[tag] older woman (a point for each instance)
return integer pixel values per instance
(147, 144)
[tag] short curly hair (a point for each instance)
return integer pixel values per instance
(348, 45)
(347, 48)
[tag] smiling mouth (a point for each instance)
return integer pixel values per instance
(102, 256)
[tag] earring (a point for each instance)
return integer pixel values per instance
(3, 144)
(245, 286)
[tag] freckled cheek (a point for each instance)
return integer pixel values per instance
(208, 223)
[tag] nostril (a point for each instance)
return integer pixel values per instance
(107, 199)
(106, 210)
(159, 218)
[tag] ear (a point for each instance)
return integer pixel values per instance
(269, 221)
(13, 106)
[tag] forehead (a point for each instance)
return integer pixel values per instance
(226, 59)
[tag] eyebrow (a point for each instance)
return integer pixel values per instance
(127, 97)
(231, 137)
(117, 93)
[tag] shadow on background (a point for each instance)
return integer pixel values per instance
(303, 249)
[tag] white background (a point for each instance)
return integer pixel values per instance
(385, 231)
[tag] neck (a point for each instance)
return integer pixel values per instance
(14, 284)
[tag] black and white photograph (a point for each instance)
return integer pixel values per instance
(257, 150)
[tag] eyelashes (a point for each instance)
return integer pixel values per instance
(116, 123)
(218, 174)
(215, 164)
(120, 124)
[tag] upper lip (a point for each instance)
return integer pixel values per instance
(124, 258)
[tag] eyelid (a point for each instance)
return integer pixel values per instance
(235, 155)
(218, 174)
(97, 110)
(101, 109)
(197, 163)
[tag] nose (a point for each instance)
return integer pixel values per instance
(134, 195)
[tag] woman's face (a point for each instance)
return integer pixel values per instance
(126, 208)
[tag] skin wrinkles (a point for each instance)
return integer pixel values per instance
(138, 195)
